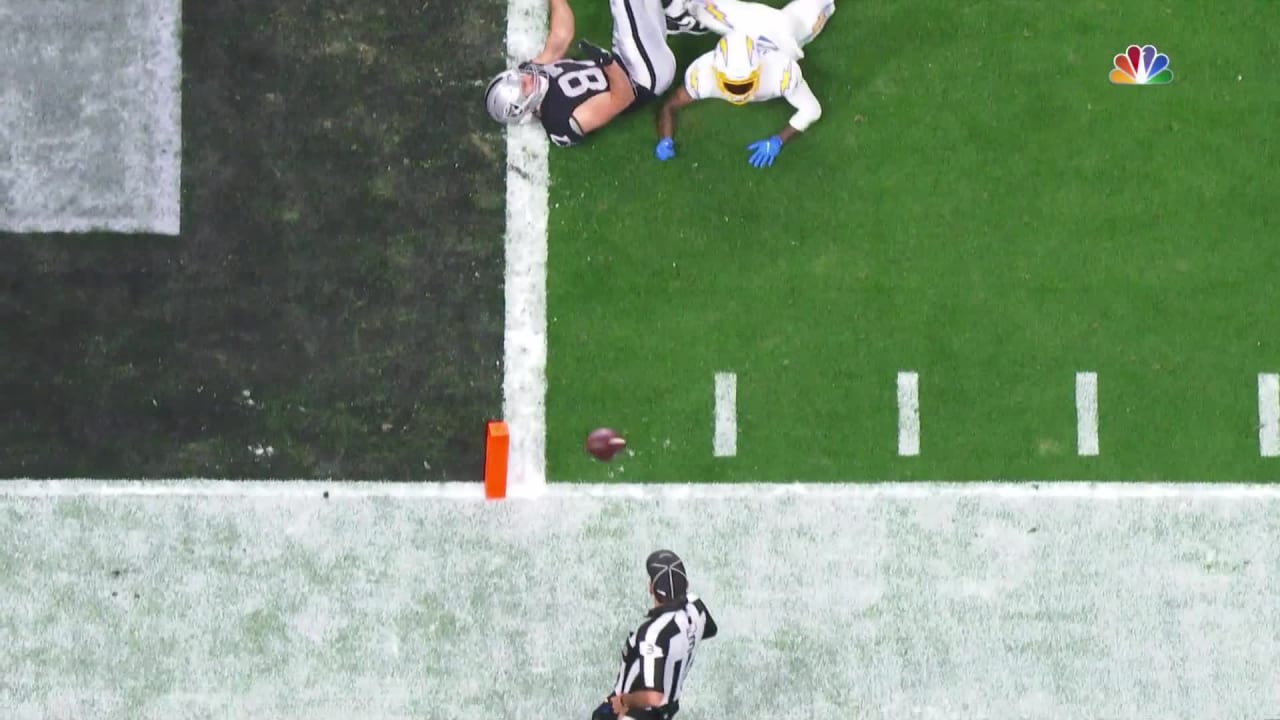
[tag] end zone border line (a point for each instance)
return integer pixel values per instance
(316, 489)
(168, 82)
(524, 379)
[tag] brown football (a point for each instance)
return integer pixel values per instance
(604, 443)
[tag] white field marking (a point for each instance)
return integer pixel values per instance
(315, 489)
(725, 441)
(524, 381)
(1087, 413)
(56, 179)
(167, 83)
(1269, 414)
(908, 414)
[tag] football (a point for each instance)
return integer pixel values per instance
(604, 443)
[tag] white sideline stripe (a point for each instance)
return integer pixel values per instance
(314, 489)
(1087, 413)
(908, 414)
(1269, 414)
(524, 381)
(725, 442)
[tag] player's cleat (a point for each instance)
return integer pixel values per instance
(685, 24)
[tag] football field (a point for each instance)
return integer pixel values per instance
(1073, 279)
(267, 268)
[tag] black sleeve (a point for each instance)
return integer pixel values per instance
(711, 629)
(557, 120)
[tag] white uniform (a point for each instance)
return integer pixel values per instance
(789, 28)
(779, 77)
(640, 42)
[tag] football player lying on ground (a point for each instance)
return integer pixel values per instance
(751, 66)
(657, 657)
(573, 98)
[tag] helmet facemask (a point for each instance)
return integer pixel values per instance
(737, 67)
(507, 100)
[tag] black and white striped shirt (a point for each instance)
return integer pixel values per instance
(659, 654)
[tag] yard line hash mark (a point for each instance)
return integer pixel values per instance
(524, 380)
(725, 440)
(908, 414)
(1087, 413)
(1269, 414)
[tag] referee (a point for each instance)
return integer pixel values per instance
(657, 657)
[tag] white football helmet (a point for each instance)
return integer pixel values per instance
(506, 99)
(737, 67)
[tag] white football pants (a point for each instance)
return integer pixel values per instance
(640, 42)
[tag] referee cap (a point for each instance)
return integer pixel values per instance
(666, 572)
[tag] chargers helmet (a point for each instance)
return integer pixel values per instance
(506, 99)
(737, 67)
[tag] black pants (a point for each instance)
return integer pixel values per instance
(644, 96)
(666, 712)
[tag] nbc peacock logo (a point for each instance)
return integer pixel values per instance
(1142, 66)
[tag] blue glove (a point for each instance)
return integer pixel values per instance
(665, 150)
(764, 151)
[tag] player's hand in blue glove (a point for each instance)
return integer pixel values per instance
(665, 150)
(764, 151)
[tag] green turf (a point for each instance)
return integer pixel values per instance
(979, 204)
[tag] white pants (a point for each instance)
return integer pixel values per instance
(640, 42)
(790, 27)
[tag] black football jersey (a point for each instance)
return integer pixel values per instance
(573, 82)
